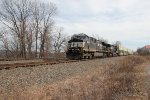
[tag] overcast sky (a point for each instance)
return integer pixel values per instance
(127, 21)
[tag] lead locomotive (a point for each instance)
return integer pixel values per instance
(82, 46)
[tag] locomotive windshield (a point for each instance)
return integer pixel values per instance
(75, 40)
(79, 37)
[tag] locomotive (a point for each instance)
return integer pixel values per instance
(81, 46)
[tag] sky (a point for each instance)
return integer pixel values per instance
(127, 21)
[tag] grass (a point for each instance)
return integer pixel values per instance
(119, 82)
(114, 84)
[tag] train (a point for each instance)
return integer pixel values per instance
(82, 46)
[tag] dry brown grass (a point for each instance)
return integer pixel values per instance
(117, 83)
(126, 77)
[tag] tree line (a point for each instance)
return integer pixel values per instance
(143, 51)
(27, 29)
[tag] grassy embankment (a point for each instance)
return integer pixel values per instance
(125, 80)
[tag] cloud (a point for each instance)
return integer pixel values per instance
(123, 20)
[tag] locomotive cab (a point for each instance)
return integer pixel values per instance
(75, 46)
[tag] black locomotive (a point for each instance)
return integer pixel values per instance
(82, 46)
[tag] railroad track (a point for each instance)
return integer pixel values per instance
(33, 64)
(50, 61)
(19, 59)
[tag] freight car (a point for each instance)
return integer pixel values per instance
(82, 46)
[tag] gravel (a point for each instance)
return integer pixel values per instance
(48, 74)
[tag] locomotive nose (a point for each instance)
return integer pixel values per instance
(73, 53)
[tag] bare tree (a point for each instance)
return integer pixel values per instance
(45, 32)
(15, 15)
(43, 25)
(26, 21)
(29, 42)
(65, 44)
(37, 18)
(143, 51)
(5, 44)
(59, 40)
